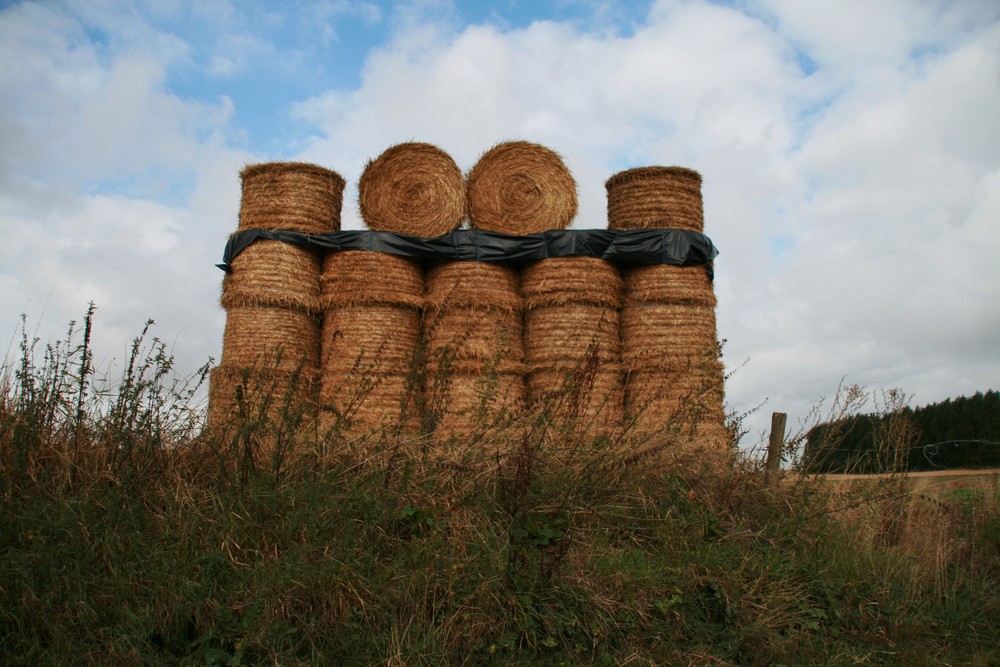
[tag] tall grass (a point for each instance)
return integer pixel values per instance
(126, 537)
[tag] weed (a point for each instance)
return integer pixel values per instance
(129, 537)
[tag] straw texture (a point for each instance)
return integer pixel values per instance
(371, 338)
(272, 273)
(359, 277)
(570, 332)
(690, 399)
(480, 403)
(255, 394)
(521, 188)
(473, 333)
(354, 404)
(665, 283)
(582, 398)
(291, 195)
(559, 280)
(472, 284)
(370, 334)
(572, 344)
(412, 188)
(655, 197)
(668, 329)
(264, 337)
(655, 333)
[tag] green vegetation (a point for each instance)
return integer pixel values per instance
(957, 433)
(127, 538)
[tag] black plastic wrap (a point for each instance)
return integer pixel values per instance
(679, 247)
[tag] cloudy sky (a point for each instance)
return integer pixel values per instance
(850, 153)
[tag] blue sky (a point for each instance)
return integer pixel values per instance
(850, 155)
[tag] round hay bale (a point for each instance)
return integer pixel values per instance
(580, 399)
(680, 400)
(265, 337)
(472, 284)
(571, 332)
(654, 198)
(562, 280)
(296, 196)
(355, 404)
(665, 283)
(371, 338)
(473, 333)
(412, 188)
(652, 334)
(272, 273)
(360, 277)
(234, 391)
(478, 404)
(521, 188)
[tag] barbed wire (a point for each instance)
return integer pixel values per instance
(930, 450)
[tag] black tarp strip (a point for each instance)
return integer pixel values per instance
(679, 247)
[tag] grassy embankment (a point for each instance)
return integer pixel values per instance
(125, 538)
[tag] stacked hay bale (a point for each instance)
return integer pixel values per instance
(372, 300)
(669, 346)
(572, 345)
(472, 333)
(570, 304)
(271, 343)
(473, 325)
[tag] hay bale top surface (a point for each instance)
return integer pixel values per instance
(521, 188)
(655, 197)
(412, 188)
(677, 175)
(296, 196)
(303, 169)
(563, 280)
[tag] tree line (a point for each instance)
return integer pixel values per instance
(962, 432)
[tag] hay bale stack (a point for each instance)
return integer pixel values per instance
(655, 198)
(296, 196)
(521, 188)
(272, 295)
(473, 336)
(674, 382)
(371, 328)
(412, 188)
(572, 345)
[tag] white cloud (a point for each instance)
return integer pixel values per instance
(104, 182)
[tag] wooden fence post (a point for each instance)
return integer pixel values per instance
(772, 467)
